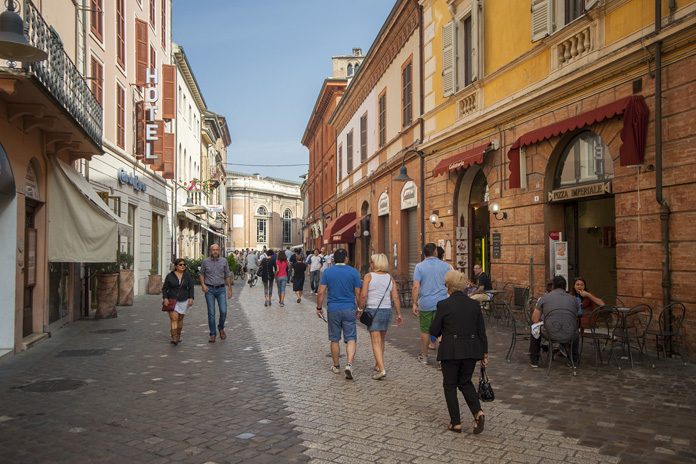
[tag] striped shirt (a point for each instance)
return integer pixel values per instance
(215, 271)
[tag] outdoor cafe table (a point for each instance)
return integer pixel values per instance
(626, 340)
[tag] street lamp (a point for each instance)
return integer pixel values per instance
(14, 45)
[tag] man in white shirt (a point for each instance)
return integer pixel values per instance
(315, 261)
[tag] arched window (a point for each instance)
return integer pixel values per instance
(287, 226)
(350, 70)
(586, 159)
(355, 70)
(262, 224)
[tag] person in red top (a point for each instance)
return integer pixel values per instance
(281, 274)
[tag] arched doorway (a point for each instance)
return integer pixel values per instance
(473, 222)
(580, 213)
(365, 238)
(33, 202)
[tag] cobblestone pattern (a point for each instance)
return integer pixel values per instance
(400, 419)
(146, 401)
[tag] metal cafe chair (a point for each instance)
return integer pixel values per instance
(634, 324)
(521, 324)
(603, 321)
(560, 329)
(670, 325)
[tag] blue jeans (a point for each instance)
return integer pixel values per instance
(314, 280)
(219, 294)
(281, 282)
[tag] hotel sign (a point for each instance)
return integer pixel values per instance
(151, 99)
(571, 193)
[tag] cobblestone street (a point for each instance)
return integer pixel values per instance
(115, 391)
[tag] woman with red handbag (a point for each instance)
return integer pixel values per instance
(177, 297)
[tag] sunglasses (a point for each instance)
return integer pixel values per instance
(181, 264)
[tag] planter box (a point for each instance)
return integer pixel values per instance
(107, 295)
(126, 282)
(154, 284)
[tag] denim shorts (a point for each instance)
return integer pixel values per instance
(342, 320)
(381, 319)
(282, 282)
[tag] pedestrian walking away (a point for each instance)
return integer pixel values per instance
(216, 283)
(341, 285)
(177, 286)
(281, 269)
(315, 260)
(428, 289)
(252, 265)
(266, 270)
(377, 296)
(299, 269)
(458, 320)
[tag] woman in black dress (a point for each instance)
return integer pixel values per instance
(299, 267)
(178, 286)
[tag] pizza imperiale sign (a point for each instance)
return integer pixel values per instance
(581, 191)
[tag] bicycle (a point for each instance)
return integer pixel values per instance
(239, 272)
(253, 279)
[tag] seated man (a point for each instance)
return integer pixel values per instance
(556, 299)
(483, 285)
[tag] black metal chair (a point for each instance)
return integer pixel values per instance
(521, 324)
(634, 325)
(603, 321)
(560, 329)
(670, 326)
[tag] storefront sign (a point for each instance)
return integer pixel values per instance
(215, 208)
(157, 203)
(496, 245)
(590, 190)
(383, 204)
(561, 259)
(133, 181)
(409, 199)
(151, 99)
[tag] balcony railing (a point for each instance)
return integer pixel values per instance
(60, 76)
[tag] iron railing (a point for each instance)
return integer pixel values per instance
(59, 75)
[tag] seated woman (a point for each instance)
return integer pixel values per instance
(587, 302)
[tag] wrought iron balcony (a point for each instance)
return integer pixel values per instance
(59, 75)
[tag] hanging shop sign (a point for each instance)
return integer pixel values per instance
(383, 204)
(496, 245)
(409, 198)
(600, 188)
(151, 99)
(125, 178)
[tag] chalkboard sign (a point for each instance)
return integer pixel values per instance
(496, 245)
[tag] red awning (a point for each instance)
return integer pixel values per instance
(461, 161)
(635, 113)
(346, 234)
(336, 225)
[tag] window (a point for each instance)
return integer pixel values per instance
(550, 15)
(340, 162)
(262, 225)
(164, 24)
(98, 81)
(573, 10)
(153, 58)
(152, 13)
(96, 18)
(120, 116)
(382, 118)
(363, 138)
(349, 152)
(461, 52)
(350, 70)
(587, 159)
(120, 34)
(407, 94)
(287, 226)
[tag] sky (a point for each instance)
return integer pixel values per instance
(261, 64)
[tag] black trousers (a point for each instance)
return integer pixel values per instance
(456, 374)
(535, 349)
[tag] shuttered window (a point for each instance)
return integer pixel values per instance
(349, 152)
(120, 116)
(407, 94)
(382, 118)
(164, 24)
(448, 55)
(96, 18)
(542, 19)
(121, 33)
(153, 58)
(98, 81)
(168, 92)
(363, 138)
(141, 49)
(152, 13)
(140, 129)
(340, 162)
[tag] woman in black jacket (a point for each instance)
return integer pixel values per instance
(178, 286)
(460, 323)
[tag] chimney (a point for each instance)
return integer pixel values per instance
(357, 52)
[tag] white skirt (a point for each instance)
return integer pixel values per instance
(181, 307)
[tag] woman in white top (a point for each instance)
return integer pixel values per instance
(377, 296)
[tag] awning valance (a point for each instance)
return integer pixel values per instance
(336, 225)
(212, 231)
(461, 160)
(635, 113)
(346, 234)
(81, 227)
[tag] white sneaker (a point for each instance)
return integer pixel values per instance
(336, 369)
(349, 371)
(379, 375)
(422, 359)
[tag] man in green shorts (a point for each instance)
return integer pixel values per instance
(428, 289)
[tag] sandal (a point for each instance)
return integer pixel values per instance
(480, 421)
(455, 428)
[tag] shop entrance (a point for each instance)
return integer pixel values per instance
(473, 222)
(365, 238)
(30, 236)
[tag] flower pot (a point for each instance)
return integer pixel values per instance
(125, 287)
(107, 295)
(154, 284)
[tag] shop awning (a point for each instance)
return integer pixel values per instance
(635, 114)
(212, 231)
(461, 160)
(347, 233)
(81, 227)
(336, 226)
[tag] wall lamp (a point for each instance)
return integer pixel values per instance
(495, 209)
(435, 219)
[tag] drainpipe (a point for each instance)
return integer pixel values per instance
(421, 99)
(664, 207)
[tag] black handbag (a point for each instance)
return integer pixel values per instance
(367, 318)
(485, 390)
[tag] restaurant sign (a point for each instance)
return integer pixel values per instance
(383, 204)
(590, 190)
(408, 196)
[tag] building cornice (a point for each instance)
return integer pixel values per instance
(326, 94)
(185, 68)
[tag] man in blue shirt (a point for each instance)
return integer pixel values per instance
(343, 285)
(428, 289)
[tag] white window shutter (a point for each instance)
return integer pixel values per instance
(448, 59)
(590, 3)
(542, 18)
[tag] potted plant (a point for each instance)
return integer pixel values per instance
(126, 279)
(107, 290)
(154, 282)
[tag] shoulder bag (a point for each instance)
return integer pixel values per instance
(485, 390)
(366, 318)
(171, 302)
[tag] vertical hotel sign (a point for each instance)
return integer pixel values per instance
(151, 125)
